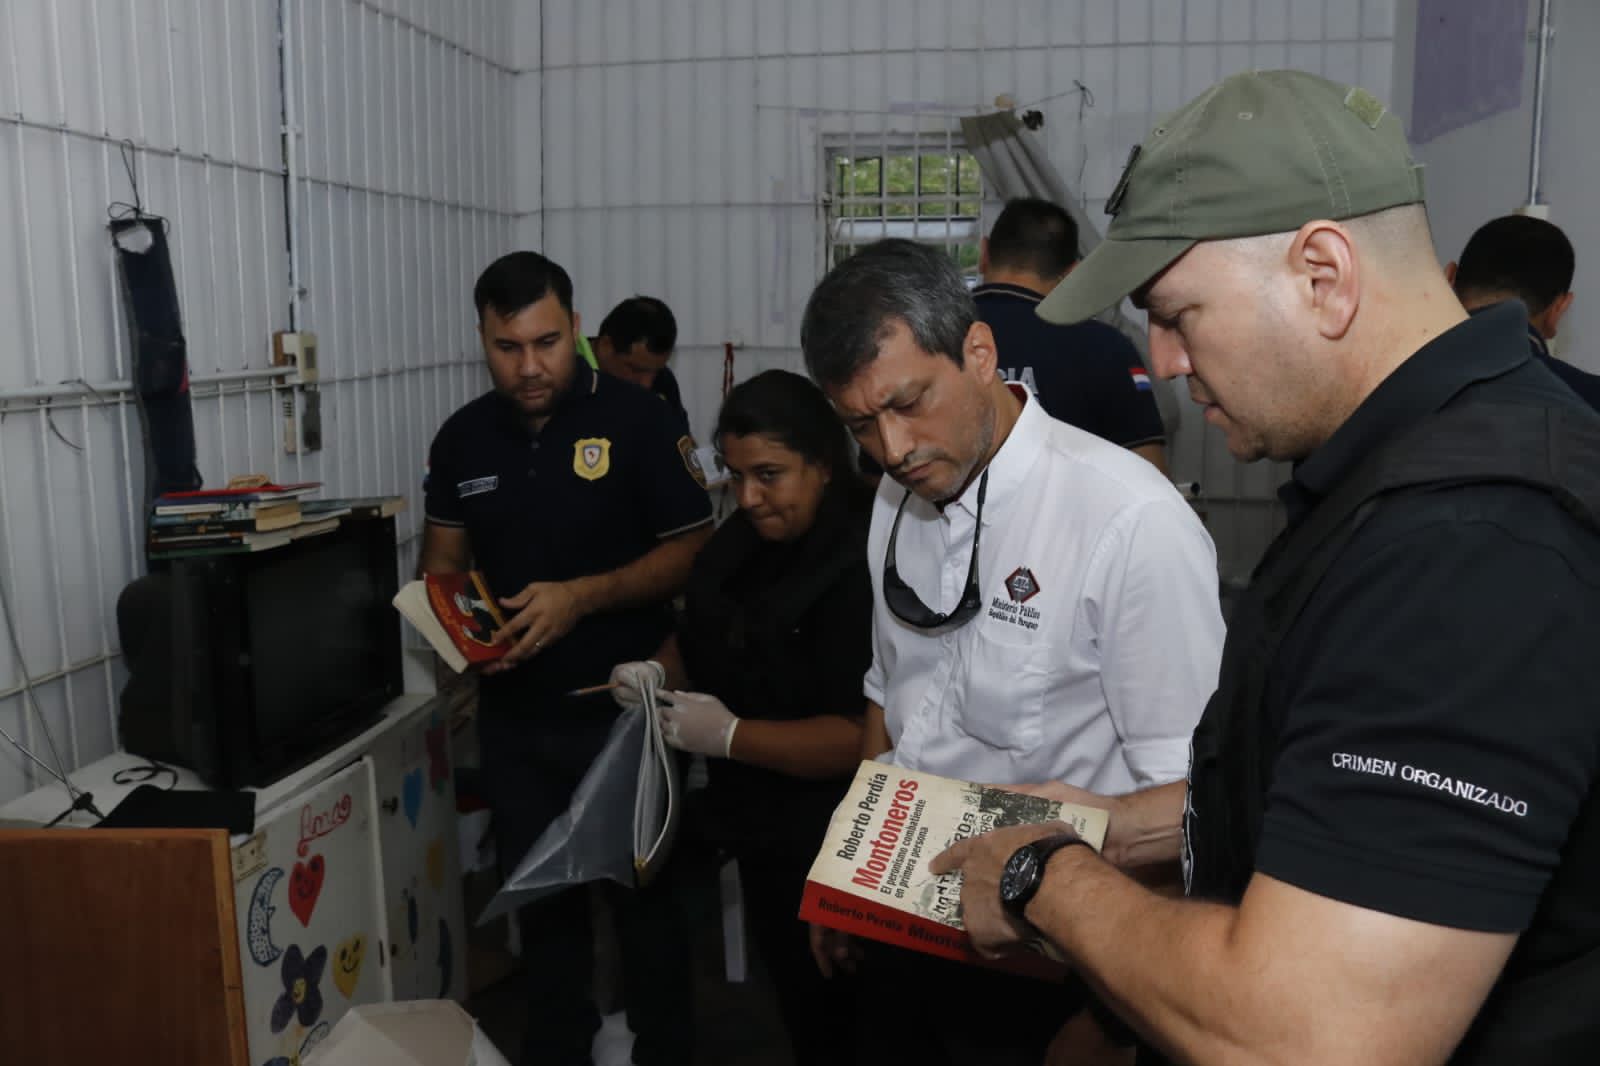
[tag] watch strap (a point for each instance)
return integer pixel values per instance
(1042, 849)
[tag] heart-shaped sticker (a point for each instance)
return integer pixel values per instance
(305, 885)
(411, 795)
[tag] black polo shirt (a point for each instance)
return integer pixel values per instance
(1088, 374)
(602, 483)
(1585, 384)
(666, 387)
(1435, 701)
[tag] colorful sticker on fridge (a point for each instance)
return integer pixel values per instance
(305, 885)
(314, 823)
(313, 1038)
(301, 997)
(258, 924)
(347, 960)
(411, 795)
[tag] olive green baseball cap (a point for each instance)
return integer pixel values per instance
(1263, 152)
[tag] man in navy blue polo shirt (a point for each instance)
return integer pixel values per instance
(1088, 375)
(1517, 257)
(635, 343)
(573, 493)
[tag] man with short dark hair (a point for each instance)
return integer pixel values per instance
(1087, 374)
(568, 490)
(1517, 257)
(1390, 834)
(1075, 640)
(635, 343)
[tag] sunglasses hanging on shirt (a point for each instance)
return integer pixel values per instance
(902, 600)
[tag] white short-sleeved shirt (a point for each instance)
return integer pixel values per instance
(1100, 636)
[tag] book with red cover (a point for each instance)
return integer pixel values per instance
(199, 500)
(457, 613)
(871, 877)
(265, 490)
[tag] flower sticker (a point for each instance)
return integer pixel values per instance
(301, 997)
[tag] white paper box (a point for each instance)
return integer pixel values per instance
(425, 1032)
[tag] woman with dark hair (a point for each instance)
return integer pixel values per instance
(775, 639)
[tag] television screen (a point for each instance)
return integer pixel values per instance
(242, 667)
(318, 637)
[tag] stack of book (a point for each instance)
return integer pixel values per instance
(250, 518)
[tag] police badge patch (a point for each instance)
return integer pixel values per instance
(691, 460)
(591, 458)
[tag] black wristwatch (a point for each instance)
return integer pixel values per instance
(1024, 871)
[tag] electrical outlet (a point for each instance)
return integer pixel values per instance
(311, 421)
(308, 358)
(297, 350)
(291, 424)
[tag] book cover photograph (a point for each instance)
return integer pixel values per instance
(871, 877)
(458, 615)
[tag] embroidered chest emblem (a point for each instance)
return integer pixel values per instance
(1022, 586)
(591, 458)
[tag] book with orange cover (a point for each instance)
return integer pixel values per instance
(458, 615)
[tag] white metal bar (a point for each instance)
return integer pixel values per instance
(235, 385)
(291, 155)
(159, 151)
(111, 388)
(211, 235)
(413, 298)
(20, 650)
(238, 232)
(179, 260)
(366, 176)
(1536, 138)
(329, 322)
(105, 658)
(268, 301)
(438, 38)
(387, 355)
(86, 454)
(333, 401)
(295, 90)
(117, 366)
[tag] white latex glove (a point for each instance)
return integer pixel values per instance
(630, 679)
(695, 722)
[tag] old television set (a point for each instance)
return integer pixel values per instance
(243, 667)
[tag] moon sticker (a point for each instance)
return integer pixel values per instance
(258, 926)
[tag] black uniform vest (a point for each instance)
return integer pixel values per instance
(1546, 1016)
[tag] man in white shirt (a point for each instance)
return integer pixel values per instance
(1021, 568)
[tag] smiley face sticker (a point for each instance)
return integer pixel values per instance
(347, 960)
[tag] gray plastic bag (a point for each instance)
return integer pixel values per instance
(620, 824)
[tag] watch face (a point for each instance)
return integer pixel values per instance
(1020, 872)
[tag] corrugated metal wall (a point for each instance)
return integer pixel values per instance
(674, 147)
(403, 133)
(683, 144)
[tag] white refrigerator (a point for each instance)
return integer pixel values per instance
(349, 892)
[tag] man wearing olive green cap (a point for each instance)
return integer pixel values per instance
(1390, 836)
